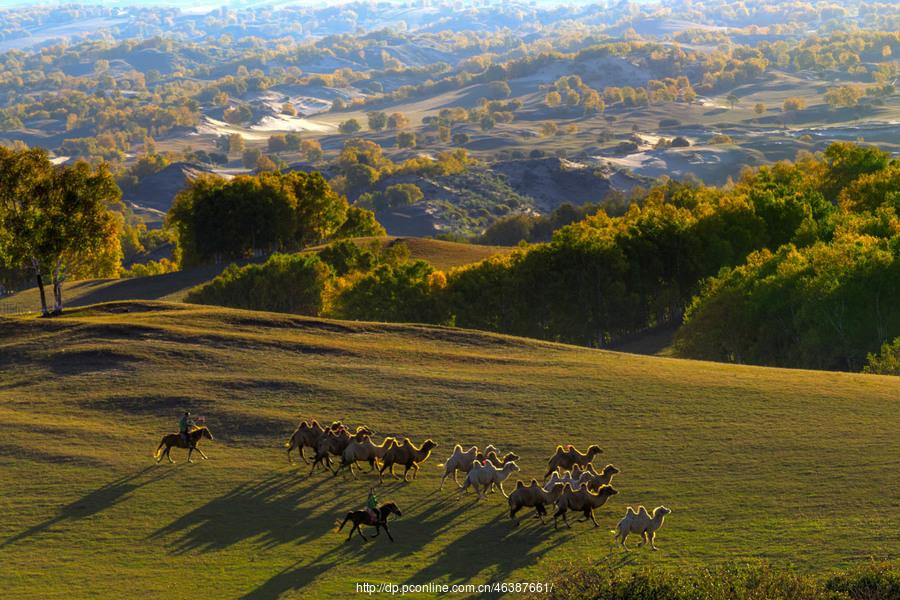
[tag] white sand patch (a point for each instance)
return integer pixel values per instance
(211, 126)
(282, 122)
(58, 160)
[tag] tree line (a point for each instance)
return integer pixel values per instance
(794, 264)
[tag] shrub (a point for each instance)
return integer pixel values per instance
(291, 283)
(731, 582)
(887, 361)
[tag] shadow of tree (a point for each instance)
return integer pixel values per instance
(97, 501)
(267, 511)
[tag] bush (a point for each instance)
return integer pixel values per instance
(731, 582)
(887, 361)
(291, 283)
(680, 142)
(669, 122)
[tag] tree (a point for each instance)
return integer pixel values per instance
(250, 157)
(794, 103)
(499, 90)
(56, 221)
(288, 109)
(460, 139)
(277, 143)
(403, 194)
(397, 120)
(377, 120)
(264, 163)
(732, 100)
(406, 139)
(553, 99)
(759, 108)
(293, 141)
(235, 144)
(349, 127)
(312, 150)
(844, 96)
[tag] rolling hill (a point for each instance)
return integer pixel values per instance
(795, 467)
(174, 286)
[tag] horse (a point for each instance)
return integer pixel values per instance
(362, 517)
(175, 439)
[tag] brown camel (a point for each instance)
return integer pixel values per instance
(175, 439)
(333, 443)
(583, 501)
(408, 455)
(305, 436)
(566, 458)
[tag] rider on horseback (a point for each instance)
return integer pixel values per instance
(372, 506)
(184, 427)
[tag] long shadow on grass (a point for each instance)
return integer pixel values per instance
(99, 500)
(266, 511)
(496, 545)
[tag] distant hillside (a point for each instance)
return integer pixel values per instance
(157, 191)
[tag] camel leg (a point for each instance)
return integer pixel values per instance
(406, 473)
(302, 455)
(643, 539)
(653, 540)
(512, 515)
(415, 470)
(502, 491)
(458, 484)
(442, 481)
(591, 513)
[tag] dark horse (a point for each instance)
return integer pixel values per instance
(362, 517)
(175, 439)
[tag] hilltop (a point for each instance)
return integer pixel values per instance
(791, 466)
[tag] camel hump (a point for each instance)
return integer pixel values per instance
(521, 484)
(560, 449)
(630, 511)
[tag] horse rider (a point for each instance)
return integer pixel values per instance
(185, 425)
(372, 505)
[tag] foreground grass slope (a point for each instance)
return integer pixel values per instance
(791, 466)
(174, 287)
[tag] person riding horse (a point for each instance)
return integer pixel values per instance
(372, 506)
(185, 425)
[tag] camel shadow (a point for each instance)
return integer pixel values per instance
(495, 544)
(105, 497)
(267, 511)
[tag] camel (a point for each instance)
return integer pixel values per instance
(642, 523)
(305, 436)
(577, 470)
(175, 439)
(532, 495)
(333, 443)
(581, 500)
(484, 474)
(566, 458)
(361, 517)
(461, 460)
(364, 450)
(408, 455)
(599, 480)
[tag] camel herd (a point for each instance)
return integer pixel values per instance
(571, 483)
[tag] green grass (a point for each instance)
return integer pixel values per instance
(794, 467)
(175, 286)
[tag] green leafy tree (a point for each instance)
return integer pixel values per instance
(56, 222)
(377, 120)
(349, 127)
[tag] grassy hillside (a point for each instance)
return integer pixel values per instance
(174, 286)
(793, 466)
